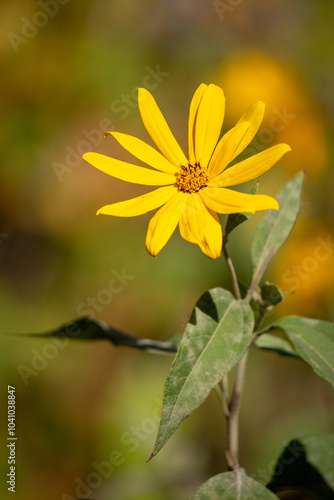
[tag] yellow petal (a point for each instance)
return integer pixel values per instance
(127, 171)
(141, 204)
(213, 237)
(250, 168)
(226, 201)
(227, 148)
(240, 136)
(253, 115)
(208, 122)
(192, 221)
(163, 224)
(158, 129)
(185, 231)
(192, 120)
(144, 152)
(201, 226)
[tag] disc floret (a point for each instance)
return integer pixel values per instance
(191, 178)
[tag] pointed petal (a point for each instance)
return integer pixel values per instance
(158, 129)
(193, 219)
(250, 168)
(201, 226)
(128, 172)
(240, 135)
(226, 201)
(227, 148)
(144, 152)
(195, 102)
(208, 123)
(253, 115)
(141, 204)
(213, 237)
(163, 224)
(185, 231)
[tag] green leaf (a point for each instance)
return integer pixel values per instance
(234, 485)
(313, 340)
(270, 342)
(216, 337)
(276, 226)
(88, 329)
(234, 220)
(307, 464)
(271, 295)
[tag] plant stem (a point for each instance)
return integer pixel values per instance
(230, 266)
(232, 408)
(232, 418)
(223, 397)
(258, 275)
(232, 453)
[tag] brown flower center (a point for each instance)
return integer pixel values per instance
(191, 178)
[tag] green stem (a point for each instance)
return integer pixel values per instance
(232, 453)
(232, 408)
(230, 266)
(258, 275)
(232, 418)
(223, 397)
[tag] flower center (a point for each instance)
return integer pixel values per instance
(191, 178)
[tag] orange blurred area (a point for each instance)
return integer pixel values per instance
(292, 116)
(306, 269)
(69, 72)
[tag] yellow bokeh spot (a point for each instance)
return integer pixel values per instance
(291, 114)
(306, 268)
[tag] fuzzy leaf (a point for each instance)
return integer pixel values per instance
(275, 227)
(313, 340)
(269, 342)
(234, 485)
(216, 337)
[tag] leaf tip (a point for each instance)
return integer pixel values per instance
(154, 452)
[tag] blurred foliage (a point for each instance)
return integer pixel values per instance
(61, 88)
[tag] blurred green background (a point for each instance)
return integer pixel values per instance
(69, 71)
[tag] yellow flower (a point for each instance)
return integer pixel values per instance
(193, 190)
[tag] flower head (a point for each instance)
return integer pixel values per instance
(193, 190)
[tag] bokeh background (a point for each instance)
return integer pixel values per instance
(69, 71)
